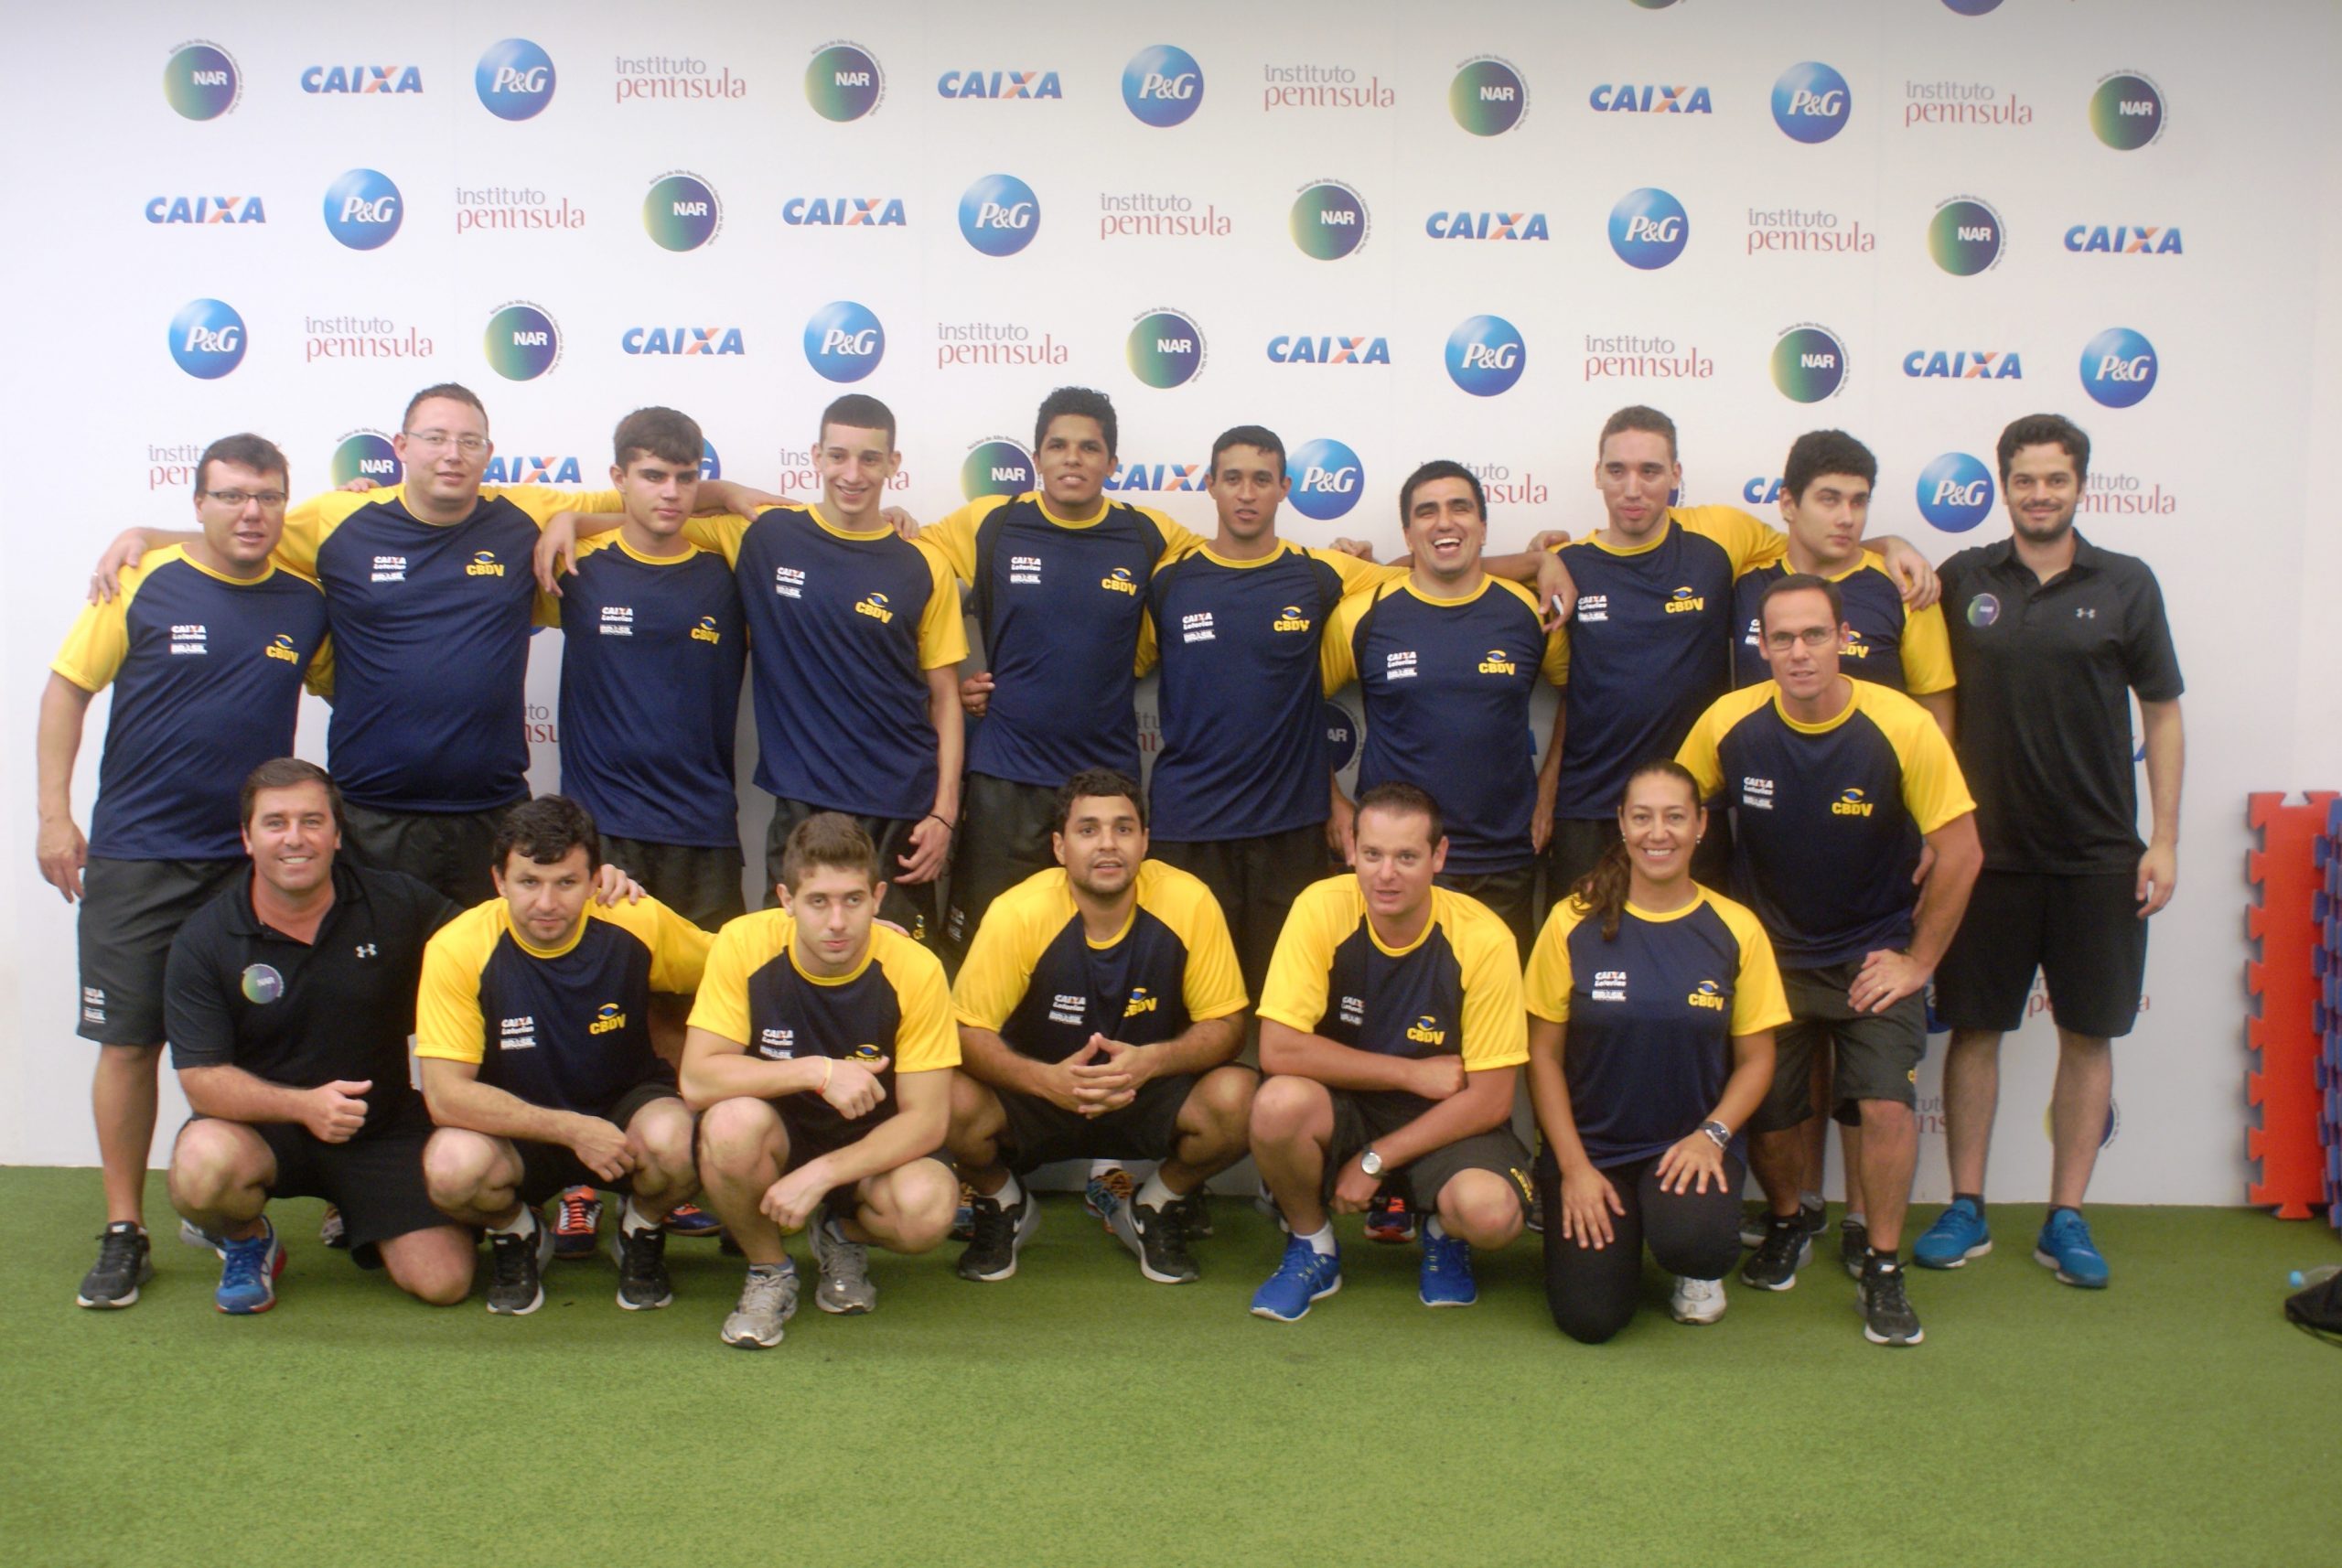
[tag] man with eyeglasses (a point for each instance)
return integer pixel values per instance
(207, 647)
(1839, 785)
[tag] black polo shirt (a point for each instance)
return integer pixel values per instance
(2045, 673)
(237, 993)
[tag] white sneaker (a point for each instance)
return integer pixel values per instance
(1696, 1301)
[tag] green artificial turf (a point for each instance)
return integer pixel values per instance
(1077, 1414)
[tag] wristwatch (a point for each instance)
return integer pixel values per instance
(1718, 1132)
(1370, 1163)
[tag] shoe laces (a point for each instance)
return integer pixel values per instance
(118, 1249)
(1447, 1254)
(989, 1221)
(1885, 1288)
(245, 1262)
(845, 1264)
(577, 1210)
(764, 1290)
(508, 1257)
(2069, 1232)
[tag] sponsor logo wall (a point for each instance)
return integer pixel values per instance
(1389, 231)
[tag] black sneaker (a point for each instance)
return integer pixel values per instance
(1000, 1235)
(516, 1271)
(642, 1267)
(1155, 1236)
(1193, 1214)
(1787, 1247)
(1854, 1246)
(124, 1262)
(1887, 1317)
(1814, 1217)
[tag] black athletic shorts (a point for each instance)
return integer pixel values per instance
(699, 883)
(2084, 935)
(453, 852)
(376, 1181)
(909, 904)
(1003, 838)
(550, 1168)
(1256, 881)
(1576, 846)
(1037, 1133)
(1877, 1053)
(1511, 894)
(1360, 1116)
(130, 911)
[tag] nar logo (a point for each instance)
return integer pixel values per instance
(362, 78)
(844, 211)
(683, 341)
(998, 84)
(1624, 100)
(205, 209)
(1287, 348)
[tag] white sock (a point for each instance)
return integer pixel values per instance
(1099, 1167)
(836, 1233)
(523, 1224)
(1321, 1240)
(1809, 1199)
(1010, 1195)
(634, 1222)
(1434, 1230)
(1156, 1195)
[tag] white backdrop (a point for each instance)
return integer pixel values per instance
(1105, 221)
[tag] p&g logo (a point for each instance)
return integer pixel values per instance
(1327, 478)
(2117, 367)
(1955, 492)
(363, 210)
(1486, 355)
(514, 80)
(207, 338)
(1811, 103)
(999, 215)
(1163, 85)
(1649, 228)
(843, 342)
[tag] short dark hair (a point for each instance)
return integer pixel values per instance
(2045, 430)
(244, 449)
(1440, 468)
(1405, 800)
(829, 839)
(1259, 435)
(1804, 583)
(857, 410)
(455, 391)
(285, 773)
(1637, 416)
(545, 830)
(660, 432)
(1082, 402)
(1101, 784)
(1820, 452)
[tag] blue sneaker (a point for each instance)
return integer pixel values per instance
(2065, 1246)
(1305, 1275)
(1445, 1278)
(1957, 1235)
(693, 1222)
(248, 1278)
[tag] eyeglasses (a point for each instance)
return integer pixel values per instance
(235, 499)
(439, 440)
(1814, 637)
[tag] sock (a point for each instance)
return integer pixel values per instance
(1434, 1230)
(1010, 1195)
(773, 1271)
(2055, 1209)
(829, 1228)
(1855, 1220)
(1099, 1167)
(1321, 1240)
(1975, 1197)
(1810, 1200)
(1155, 1195)
(523, 1224)
(634, 1222)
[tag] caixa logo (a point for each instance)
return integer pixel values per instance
(1327, 478)
(843, 342)
(523, 341)
(1296, 349)
(514, 80)
(999, 215)
(2117, 367)
(685, 340)
(1486, 355)
(213, 209)
(1965, 364)
(996, 466)
(1649, 228)
(1159, 476)
(362, 78)
(2121, 238)
(364, 455)
(207, 338)
(1166, 349)
(363, 210)
(502, 470)
(1811, 103)
(999, 84)
(1955, 492)
(1163, 85)
(200, 80)
(844, 211)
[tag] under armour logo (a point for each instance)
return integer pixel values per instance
(2081, 614)
(366, 949)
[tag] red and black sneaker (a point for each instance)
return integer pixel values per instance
(580, 1219)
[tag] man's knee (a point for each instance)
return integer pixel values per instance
(458, 1165)
(921, 1200)
(211, 1160)
(1480, 1207)
(663, 1130)
(1287, 1107)
(736, 1135)
(434, 1266)
(1887, 1118)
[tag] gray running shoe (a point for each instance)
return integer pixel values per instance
(124, 1262)
(845, 1286)
(766, 1302)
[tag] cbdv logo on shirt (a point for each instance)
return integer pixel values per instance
(844, 341)
(1487, 97)
(2117, 367)
(1327, 478)
(1163, 85)
(999, 215)
(362, 209)
(523, 341)
(1955, 492)
(514, 80)
(681, 211)
(1811, 103)
(207, 338)
(997, 466)
(1486, 355)
(1649, 228)
(200, 80)
(843, 82)
(1166, 349)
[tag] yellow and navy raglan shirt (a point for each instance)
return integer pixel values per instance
(1034, 978)
(206, 671)
(431, 637)
(654, 650)
(1059, 606)
(567, 1029)
(1242, 689)
(1650, 1017)
(1447, 684)
(843, 628)
(895, 1003)
(1454, 991)
(1650, 646)
(1830, 816)
(1889, 642)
